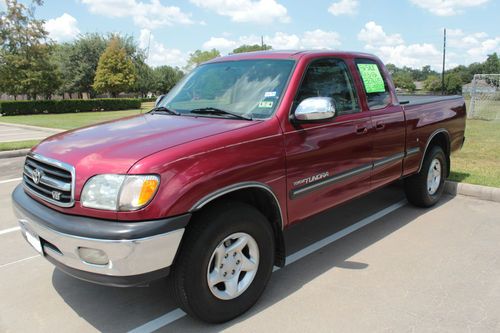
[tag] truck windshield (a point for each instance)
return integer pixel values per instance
(247, 88)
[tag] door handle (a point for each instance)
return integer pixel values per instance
(379, 126)
(361, 130)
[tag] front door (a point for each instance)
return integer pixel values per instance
(328, 162)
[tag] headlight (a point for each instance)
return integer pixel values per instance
(119, 192)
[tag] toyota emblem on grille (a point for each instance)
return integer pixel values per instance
(36, 175)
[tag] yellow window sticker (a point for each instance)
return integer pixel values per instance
(372, 79)
(265, 104)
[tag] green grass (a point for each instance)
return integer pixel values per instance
(73, 120)
(17, 145)
(479, 160)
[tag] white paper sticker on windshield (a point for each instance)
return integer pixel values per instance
(270, 94)
(265, 104)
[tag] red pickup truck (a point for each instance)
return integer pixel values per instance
(202, 187)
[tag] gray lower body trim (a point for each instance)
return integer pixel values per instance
(329, 181)
(412, 151)
(349, 173)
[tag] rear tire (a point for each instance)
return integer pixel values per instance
(210, 253)
(426, 187)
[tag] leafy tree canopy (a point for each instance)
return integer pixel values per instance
(199, 56)
(251, 48)
(115, 71)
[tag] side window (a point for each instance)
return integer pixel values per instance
(376, 89)
(329, 78)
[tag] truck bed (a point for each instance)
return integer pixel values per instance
(424, 99)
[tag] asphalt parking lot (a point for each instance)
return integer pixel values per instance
(404, 269)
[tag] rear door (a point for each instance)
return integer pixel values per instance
(388, 123)
(328, 162)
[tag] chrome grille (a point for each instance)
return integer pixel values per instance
(49, 179)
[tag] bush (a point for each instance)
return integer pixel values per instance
(145, 99)
(12, 108)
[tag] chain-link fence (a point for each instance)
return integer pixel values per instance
(483, 94)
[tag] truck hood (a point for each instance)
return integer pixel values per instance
(113, 147)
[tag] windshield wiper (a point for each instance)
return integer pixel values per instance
(163, 109)
(218, 112)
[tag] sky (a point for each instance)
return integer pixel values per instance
(402, 32)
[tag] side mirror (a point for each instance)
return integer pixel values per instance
(315, 109)
(159, 99)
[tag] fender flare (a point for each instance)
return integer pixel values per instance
(235, 187)
(431, 137)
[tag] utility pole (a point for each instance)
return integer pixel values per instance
(262, 41)
(444, 60)
(149, 44)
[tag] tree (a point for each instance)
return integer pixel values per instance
(19, 28)
(251, 48)
(146, 80)
(78, 63)
(492, 64)
(453, 83)
(115, 71)
(198, 57)
(433, 83)
(404, 80)
(26, 63)
(166, 78)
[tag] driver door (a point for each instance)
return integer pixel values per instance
(328, 162)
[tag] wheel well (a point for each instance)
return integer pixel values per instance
(442, 140)
(267, 205)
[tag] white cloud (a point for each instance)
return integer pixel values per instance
(150, 15)
(260, 11)
(62, 28)
(447, 7)
(374, 35)
(472, 46)
(319, 39)
(413, 55)
(344, 7)
(485, 47)
(219, 43)
(158, 53)
(315, 39)
(391, 48)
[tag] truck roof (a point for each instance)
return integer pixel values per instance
(291, 54)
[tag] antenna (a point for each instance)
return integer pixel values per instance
(444, 60)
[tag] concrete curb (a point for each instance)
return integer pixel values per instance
(477, 191)
(35, 128)
(14, 153)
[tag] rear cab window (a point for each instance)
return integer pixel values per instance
(376, 89)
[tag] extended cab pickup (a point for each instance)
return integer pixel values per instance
(202, 187)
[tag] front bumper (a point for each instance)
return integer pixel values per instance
(138, 252)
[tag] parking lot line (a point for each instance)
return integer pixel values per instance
(176, 314)
(20, 260)
(10, 180)
(6, 231)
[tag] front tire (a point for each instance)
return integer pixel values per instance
(426, 187)
(225, 262)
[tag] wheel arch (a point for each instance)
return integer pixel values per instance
(440, 137)
(262, 197)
